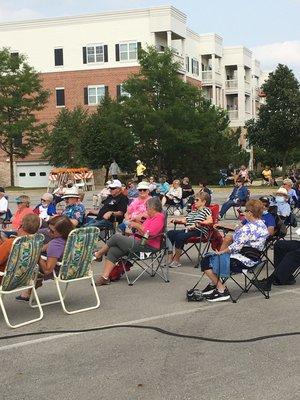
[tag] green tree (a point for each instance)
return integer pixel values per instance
(176, 130)
(277, 130)
(21, 95)
(107, 137)
(63, 143)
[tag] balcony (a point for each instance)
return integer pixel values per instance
(180, 60)
(207, 77)
(233, 114)
(231, 84)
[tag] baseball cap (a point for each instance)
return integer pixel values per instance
(115, 183)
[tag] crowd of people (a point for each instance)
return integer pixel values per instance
(135, 212)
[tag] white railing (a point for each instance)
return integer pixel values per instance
(231, 84)
(233, 114)
(180, 60)
(206, 76)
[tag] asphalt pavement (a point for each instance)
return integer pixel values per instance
(146, 342)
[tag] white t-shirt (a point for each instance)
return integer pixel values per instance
(3, 204)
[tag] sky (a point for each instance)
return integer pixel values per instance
(270, 28)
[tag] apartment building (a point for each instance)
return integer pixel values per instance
(84, 57)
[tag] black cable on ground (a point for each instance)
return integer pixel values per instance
(156, 329)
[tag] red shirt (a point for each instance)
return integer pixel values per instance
(18, 216)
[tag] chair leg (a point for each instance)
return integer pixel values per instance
(48, 303)
(62, 300)
(41, 313)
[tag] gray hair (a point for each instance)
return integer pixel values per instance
(48, 196)
(154, 203)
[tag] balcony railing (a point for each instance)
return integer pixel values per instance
(233, 114)
(231, 84)
(206, 76)
(180, 60)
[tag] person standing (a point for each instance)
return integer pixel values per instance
(114, 170)
(140, 168)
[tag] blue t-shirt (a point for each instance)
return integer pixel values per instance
(269, 220)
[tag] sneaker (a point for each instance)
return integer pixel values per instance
(174, 264)
(209, 289)
(102, 281)
(218, 296)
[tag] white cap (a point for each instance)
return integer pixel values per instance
(71, 192)
(115, 183)
(143, 185)
(138, 161)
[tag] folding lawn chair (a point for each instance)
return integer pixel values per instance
(21, 272)
(76, 265)
(151, 263)
(250, 278)
(171, 208)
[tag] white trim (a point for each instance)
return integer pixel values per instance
(94, 87)
(94, 45)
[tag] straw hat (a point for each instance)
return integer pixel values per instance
(71, 192)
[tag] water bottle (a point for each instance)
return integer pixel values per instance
(145, 238)
(95, 201)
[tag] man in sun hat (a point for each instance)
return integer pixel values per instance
(113, 209)
(281, 201)
(74, 210)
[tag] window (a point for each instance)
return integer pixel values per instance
(97, 53)
(60, 97)
(58, 57)
(121, 92)
(195, 67)
(14, 54)
(32, 174)
(22, 174)
(95, 94)
(127, 51)
(43, 174)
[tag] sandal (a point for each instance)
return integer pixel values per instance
(21, 298)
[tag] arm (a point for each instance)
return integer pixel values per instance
(48, 265)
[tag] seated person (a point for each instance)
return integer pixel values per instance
(288, 184)
(196, 223)
(3, 203)
(152, 186)
(162, 187)
(136, 210)
(59, 229)
(173, 195)
(113, 209)
(46, 208)
(23, 208)
(204, 188)
(119, 245)
(286, 261)
(267, 216)
(29, 226)
(237, 197)
(187, 189)
(267, 175)
(251, 236)
(281, 201)
(104, 193)
(244, 174)
(74, 208)
(230, 174)
(132, 192)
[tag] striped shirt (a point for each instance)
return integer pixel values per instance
(194, 217)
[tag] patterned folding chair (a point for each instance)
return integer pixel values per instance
(76, 265)
(21, 272)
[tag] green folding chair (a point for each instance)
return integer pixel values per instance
(21, 272)
(76, 266)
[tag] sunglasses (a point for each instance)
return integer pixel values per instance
(21, 202)
(142, 190)
(110, 188)
(43, 200)
(248, 211)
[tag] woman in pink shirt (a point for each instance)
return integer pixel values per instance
(136, 210)
(119, 245)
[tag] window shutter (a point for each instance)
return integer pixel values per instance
(14, 55)
(117, 52)
(85, 96)
(118, 91)
(84, 55)
(106, 91)
(58, 57)
(188, 64)
(17, 140)
(105, 53)
(139, 48)
(60, 97)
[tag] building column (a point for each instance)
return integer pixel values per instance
(213, 69)
(241, 93)
(169, 39)
(184, 57)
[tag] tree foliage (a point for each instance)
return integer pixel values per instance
(63, 143)
(107, 137)
(276, 133)
(21, 95)
(176, 130)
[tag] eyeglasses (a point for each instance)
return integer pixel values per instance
(112, 188)
(21, 202)
(142, 190)
(43, 200)
(248, 211)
